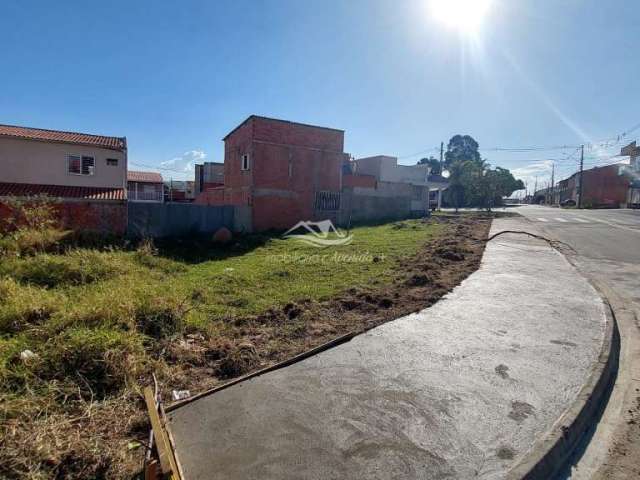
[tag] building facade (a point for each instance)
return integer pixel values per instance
(144, 187)
(32, 156)
(208, 175)
(286, 171)
(394, 180)
(84, 174)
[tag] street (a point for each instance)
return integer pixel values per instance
(607, 243)
(607, 252)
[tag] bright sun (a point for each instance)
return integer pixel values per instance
(464, 15)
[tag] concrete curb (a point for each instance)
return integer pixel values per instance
(550, 454)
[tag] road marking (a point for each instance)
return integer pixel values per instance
(560, 219)
(578, 219)
(617, 225)
(542, 219)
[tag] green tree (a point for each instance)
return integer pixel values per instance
(472, 181)
(433, 162)
(462, 148)
(458, 172)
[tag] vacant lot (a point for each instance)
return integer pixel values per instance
(82, 330)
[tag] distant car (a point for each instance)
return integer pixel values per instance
(568, 203)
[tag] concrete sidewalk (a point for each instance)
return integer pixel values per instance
(459, 390)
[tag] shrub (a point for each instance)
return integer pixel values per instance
(237, 359)
(14, 373)
(160, 317)
(100, 361)
(22, 306)
(31, 226)
(75, 268)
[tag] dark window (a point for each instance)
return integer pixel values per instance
(113, 162)
(88, 164)
(73, 164)
(244, 162)
(80, 164)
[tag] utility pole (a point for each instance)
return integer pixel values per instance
(580, 176)
(441, 157)
(535, 188)
(553, 182)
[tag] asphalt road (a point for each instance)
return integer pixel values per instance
(459, 390)
(607, 245)
(611, 235)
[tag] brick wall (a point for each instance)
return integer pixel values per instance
(290, 133)
(80, 215)
(362, 181)
(289, 163)
(605, 187)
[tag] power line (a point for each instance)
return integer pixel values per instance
(159, 168)
(606, 143)
(527, 149)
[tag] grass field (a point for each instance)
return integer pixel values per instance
(82, 329)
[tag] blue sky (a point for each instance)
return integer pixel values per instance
(175, 77)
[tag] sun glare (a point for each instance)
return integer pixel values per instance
(466, 16)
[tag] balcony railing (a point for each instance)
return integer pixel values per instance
(138, 196)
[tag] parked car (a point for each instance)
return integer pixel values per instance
(568, 203)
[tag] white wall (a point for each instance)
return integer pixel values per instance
(39, 162)
(386, 169)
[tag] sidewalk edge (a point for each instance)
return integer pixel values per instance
(551, 453)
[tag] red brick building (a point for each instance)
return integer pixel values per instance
(286, 171)
(603, 187)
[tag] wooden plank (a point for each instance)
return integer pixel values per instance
(167, 462)
(151, 471)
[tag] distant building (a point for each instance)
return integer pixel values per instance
(633, 152)
(86, 174)
(62, 164)
(144, 187)
(179, 190)
(208, 175)
(603, 187)
(415, 180)
(285, 171)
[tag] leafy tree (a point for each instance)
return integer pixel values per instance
(462, 148)
(458, 172)
(433, 162)
(485, 187)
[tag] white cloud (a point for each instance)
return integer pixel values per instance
(528, 173)
(186, 162)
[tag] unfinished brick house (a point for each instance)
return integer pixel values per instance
(286, 171)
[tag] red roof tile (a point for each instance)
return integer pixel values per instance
(144, 177)
(112, 143)
(60, 191)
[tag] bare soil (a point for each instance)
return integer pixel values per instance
(276, 335)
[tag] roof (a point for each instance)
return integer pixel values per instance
(60, 191)
(28, 133)
(435, 178)
(250, 117)
(144, 177)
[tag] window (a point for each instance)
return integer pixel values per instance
(244, 162)
(80, 164)
(112, 162)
